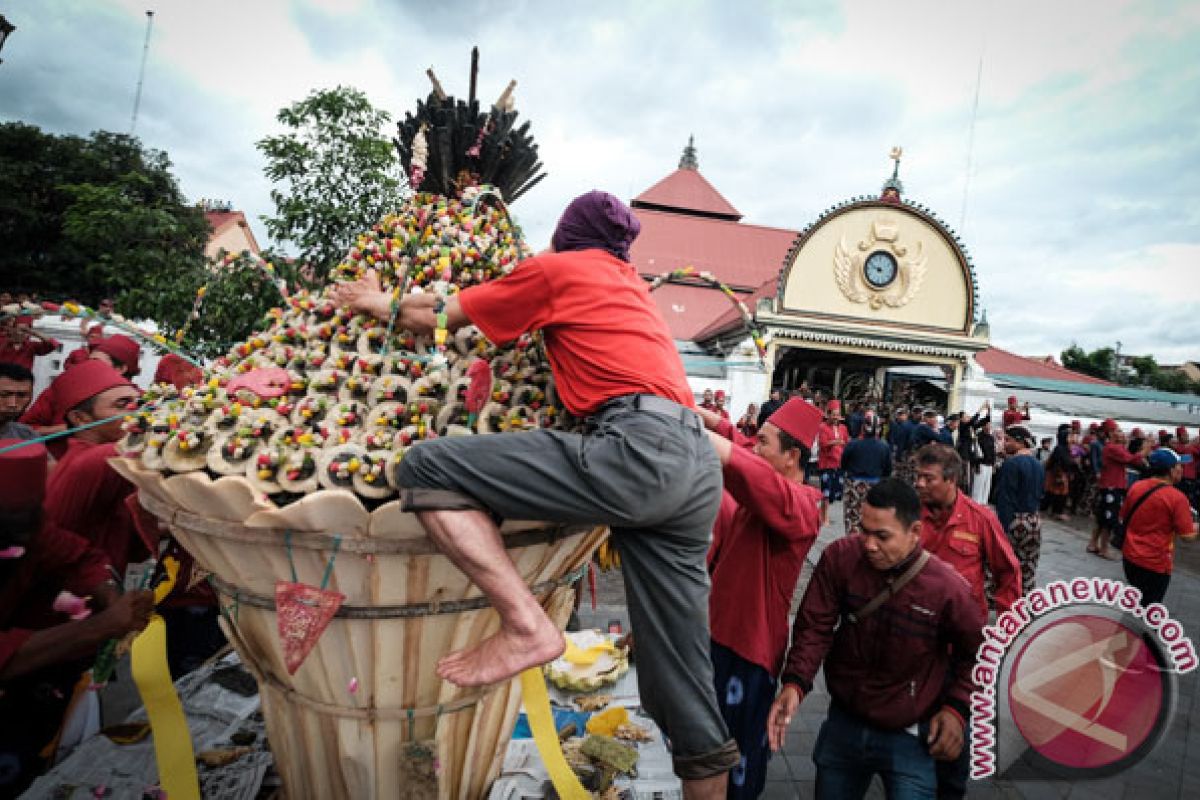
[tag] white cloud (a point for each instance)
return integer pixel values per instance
(1081, 214)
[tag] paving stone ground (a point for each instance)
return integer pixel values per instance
(1171, 771)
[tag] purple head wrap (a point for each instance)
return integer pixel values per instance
(596, 220)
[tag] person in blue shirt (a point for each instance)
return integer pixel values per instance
(1020, 484)
(865, 462)
(927, 432)
(899, 436)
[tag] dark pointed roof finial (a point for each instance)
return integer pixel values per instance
(688, 160)
(892, 187)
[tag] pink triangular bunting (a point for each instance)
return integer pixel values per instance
(303, 613)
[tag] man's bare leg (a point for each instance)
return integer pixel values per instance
(706, 788)
(526, 637)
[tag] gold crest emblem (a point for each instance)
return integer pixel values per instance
(881, 271)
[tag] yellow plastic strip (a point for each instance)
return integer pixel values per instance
(172, 740)
(541, 722)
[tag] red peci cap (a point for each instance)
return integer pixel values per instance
(123, 349)
(1181, 431)
(1076, 425)
(719, 394)
(22, 476)
(799, 419)
(1012, 400)
(833, 406)
(88, 379)
(1109, 424)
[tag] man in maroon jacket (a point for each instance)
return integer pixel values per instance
(899, 676)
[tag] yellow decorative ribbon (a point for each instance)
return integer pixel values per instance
(172, 740)
(545, 736)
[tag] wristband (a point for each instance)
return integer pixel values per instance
(440, 331)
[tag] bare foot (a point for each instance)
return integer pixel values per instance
(502, 655)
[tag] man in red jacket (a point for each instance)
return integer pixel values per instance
(967, 536)
(767, 523)
(1112, 485)
(963, 533)
(42, 652)
(831, 441)
(899, 677)
(21, 344)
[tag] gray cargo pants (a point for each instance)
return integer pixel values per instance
(653, 477)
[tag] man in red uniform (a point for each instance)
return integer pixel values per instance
(1184, 446)
(1155, 512)
(897, 631)
(92, 337)
(21, 344)
(643, 466)
(831, 441)
(41, 653)
(767, 523)
(1014, 415)
(967, 536)
(964, 533)
(48, 413)
(1112, 485)
(85, 494)
(719, 404)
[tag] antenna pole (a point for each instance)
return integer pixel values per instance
(962, 219)
(137, 97)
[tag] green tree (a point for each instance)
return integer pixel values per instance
(94, 217)
(1098, 363)
(1146, 369)
(336, 172)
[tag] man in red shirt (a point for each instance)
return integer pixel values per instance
(1114, 458)
(899, 675)
(767, 523)
(719, 404)
(85, 493)
(1184, 446)
(42, 653)
(1014, 415)
(1155, 512)
(21, 344)
(92, 336)
(643, 466)
(48, 413)
(963, 533)
(831, 441)
(968, 536)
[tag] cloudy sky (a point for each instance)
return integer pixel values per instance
(1078, 200)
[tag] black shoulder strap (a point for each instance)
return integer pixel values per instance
(891, 589)
(1139, 502)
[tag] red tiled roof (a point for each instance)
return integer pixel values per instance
(1002, 362)
(218, 220)
(686, 190)
(737, 254)
(688, 309)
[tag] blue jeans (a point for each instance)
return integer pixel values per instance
(850, 752)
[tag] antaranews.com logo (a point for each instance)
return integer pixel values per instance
(1086, 675)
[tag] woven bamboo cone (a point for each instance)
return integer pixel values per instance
(329, 742)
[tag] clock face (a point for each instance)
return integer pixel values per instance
(880, 269)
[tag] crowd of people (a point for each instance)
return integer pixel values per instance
(713, 522)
